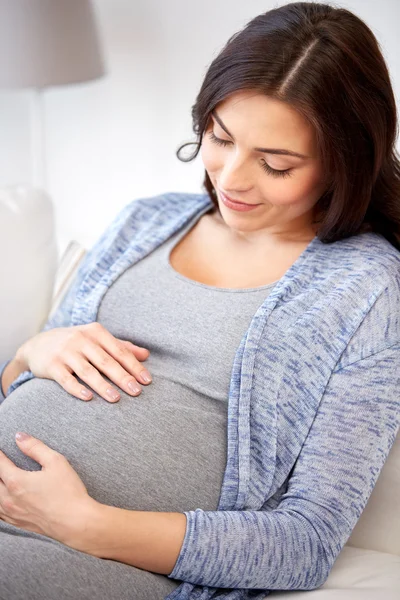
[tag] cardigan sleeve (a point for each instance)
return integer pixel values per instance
(2, 367)
(294, 545)
(62, 315)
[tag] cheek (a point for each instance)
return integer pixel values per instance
(312, 186)
(297, 189)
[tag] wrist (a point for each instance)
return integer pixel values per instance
(84, 532)
(11, 372)
(147, 540)
(20, 358)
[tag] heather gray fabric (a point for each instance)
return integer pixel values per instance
(164, 450)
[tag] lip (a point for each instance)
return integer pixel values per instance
(240, 206)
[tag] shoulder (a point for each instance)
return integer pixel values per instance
(346, 296)
(365, 253)
(371, 265)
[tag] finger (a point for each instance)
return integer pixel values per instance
(134, 346)
(106, 364)
(88, 373)
(36, 449)
(62, 374)
(3, 491)
(8, 470)
(138, 350)
(118, 351)
(3, 495)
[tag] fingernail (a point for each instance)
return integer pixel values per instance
(134, 387)
(22, 436)
(112, 394)
(145, 376)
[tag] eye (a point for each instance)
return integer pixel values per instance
(218, 141)
(275, 172)
(265, 166)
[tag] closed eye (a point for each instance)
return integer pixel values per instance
(264, 165)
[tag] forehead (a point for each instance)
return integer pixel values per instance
(264, 121)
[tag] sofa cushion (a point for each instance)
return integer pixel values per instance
(29, 260)
(378, 527)
(357, 574)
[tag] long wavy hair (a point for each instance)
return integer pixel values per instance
(327, 64)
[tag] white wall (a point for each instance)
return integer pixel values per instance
(115, 139)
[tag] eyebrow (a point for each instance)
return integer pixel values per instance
(268, 150)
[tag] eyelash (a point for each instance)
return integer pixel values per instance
(264, 165)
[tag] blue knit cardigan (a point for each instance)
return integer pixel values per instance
(313, 407)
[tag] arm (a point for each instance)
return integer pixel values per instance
(9, 371)
(3, 366)
(294, 546)
(147, 540)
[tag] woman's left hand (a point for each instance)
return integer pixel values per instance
(53, 502)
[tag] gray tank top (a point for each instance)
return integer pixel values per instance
(166, 449)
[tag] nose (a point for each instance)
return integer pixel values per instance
(235, 176)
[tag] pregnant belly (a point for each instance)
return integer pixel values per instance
(164, 450)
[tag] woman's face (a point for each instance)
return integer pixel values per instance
(239, 152)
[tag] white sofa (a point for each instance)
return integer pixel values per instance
(369, 564)
(28, 264)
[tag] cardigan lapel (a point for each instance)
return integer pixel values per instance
(275, 393)
(253, 390)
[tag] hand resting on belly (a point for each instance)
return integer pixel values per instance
(86, 350)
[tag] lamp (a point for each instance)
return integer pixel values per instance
(46, 43)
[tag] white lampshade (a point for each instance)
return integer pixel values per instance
(48, 43)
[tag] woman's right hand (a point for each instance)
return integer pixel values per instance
(86, 350)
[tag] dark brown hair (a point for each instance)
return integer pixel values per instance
(327, 64)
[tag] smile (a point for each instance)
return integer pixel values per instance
(233, 204)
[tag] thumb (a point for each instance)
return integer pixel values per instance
(34, 448)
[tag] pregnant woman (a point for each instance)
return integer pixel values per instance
(266, 312)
